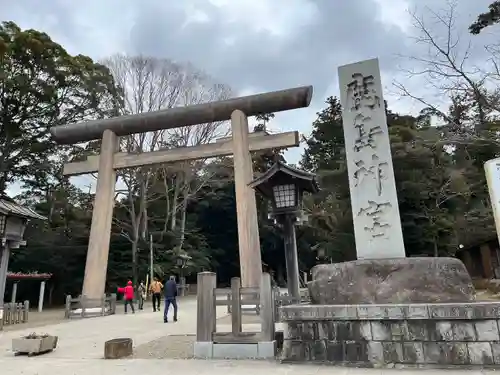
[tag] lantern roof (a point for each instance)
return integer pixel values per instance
(10, 208)
(280, 174)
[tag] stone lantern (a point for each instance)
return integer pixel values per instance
(284, 186)
(13, 221)
(182, 260)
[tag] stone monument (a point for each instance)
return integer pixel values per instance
(492, 171)
(374, 201)
(381, 274)
(384, 309)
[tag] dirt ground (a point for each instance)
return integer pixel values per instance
(486, 295)
(36, 319)
(180, 346)
(172, 347)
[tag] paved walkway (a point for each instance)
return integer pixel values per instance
(81, 347)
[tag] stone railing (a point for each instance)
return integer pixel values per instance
(386, 335)
(83, 307)
(14, 313)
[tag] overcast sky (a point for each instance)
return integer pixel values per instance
(251, 45)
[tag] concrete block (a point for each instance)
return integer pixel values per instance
(309, 331)
(375, 352)
(203, 350)
(417, 311)
(318, 351)
(371, 312)
(393, 352)
(325, 331)
(266, 349)
(449, 311)
(413, 352)
(381, 331)
(495, 351)
(460, 354)
(339, 312)
(485, 310)
(295, 312)
(416, 330)
(293, 330)
(295, 351)
(355, 351)
(292, 312)
(480, 353)
(334, 351)
(487, 330)
(350, 330)
(235, 351)
(444, 331)
(318, 312)
(398, 331)
(463, 331)
(395, 312)
(443, 353)
(365, 331)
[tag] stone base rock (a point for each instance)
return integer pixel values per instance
(380, 281)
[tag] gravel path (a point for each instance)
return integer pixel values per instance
(171, 347)
(36, 320)
(180, 346)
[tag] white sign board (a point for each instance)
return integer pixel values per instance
(377, 224)
(492, 170)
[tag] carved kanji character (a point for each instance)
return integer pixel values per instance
(375, 170)
(365, 138)
(361, 92)
(375, 212)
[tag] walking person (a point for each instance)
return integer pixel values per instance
(170, 298)
(128, 294)
(141, 290)
(155, 288)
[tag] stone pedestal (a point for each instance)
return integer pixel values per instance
(448, 335)
(387, 281)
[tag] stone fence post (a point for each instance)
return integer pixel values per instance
(206, 310)
(267, 307)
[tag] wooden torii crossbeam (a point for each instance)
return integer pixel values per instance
(109, 160)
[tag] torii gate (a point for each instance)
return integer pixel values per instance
(109, 160)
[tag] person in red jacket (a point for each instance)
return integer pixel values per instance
(128, 294)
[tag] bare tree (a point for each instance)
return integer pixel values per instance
(151, 84)
(447, 67)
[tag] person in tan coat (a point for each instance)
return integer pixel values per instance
(155, 289)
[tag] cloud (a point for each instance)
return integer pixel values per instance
(251, 45)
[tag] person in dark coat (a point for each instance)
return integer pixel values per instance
(170, 298)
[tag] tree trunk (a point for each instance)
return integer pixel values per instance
(143, 209)
(135, 274)
(173, 218)
(183, 218)
(436, 250)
